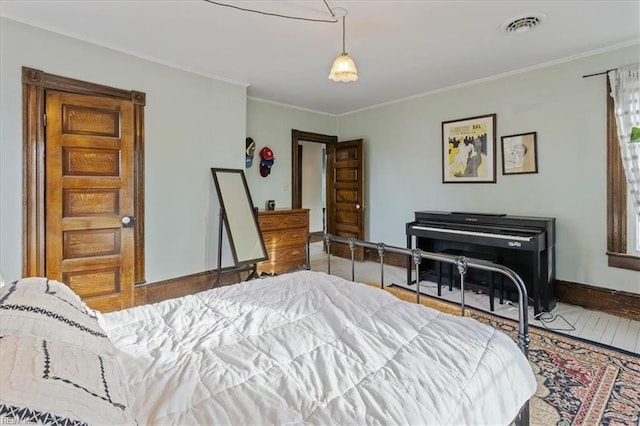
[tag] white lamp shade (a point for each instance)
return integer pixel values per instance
(343, 69)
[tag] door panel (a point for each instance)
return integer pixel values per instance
(89, 188)
(345, 191)
(91, 243)
(346, 196)
(92, 121)
(90, 202)
(95, 282)
(89, 162)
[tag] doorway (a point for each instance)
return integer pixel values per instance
(298, 137)
(313, 162)
(344, 190)
(308, 164)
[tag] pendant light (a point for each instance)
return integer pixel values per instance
(343, 69)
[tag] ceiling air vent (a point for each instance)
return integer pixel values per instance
(522, 24)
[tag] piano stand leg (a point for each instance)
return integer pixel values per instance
(439, 274)
(491, 291)
(491, 302)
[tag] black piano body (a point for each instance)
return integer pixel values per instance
(524, 244)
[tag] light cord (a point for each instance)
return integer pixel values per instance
(344, 50)
(299, 18)
(330, 11)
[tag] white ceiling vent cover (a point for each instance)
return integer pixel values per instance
(523, 23)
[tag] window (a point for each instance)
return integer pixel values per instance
(623, 227)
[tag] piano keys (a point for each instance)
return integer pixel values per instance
(524, 244)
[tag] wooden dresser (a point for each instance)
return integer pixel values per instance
(285, 235)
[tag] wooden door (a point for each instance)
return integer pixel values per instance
(89, 194)
(345, 195)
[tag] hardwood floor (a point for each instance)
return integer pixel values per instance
(572, 320)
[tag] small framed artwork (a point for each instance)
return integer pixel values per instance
(519, 154)
(469, 150)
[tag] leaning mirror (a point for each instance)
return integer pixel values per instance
(236, 210)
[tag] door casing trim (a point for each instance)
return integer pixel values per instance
(296, 164)
(34, 85)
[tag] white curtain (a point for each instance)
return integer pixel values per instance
(625, 91)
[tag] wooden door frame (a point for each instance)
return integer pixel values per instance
(34, 85)
(296, 161)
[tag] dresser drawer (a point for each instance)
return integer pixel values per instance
(285, 238)
(269, 222)
(284, 233)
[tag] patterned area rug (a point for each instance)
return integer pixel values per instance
(579, 383)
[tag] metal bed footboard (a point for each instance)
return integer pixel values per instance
(461, 262)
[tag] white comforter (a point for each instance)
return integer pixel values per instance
(309, 348)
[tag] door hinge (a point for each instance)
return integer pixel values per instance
(44, 120)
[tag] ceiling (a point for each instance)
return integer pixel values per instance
(401, 48)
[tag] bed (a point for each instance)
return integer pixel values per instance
(299, 348)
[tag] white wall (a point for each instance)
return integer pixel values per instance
(404, 160)
(270, 125)
(192, 123)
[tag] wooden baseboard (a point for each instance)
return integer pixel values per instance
(315, 239)
(182, 286)
(613, 302)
